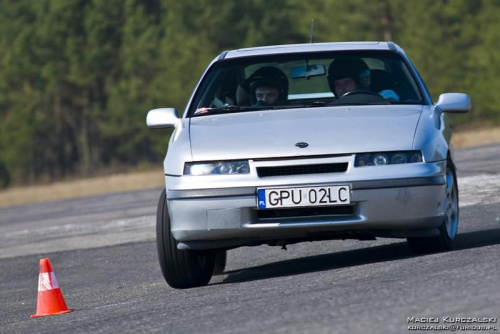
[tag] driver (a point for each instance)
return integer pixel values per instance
(268, 87)
(349, 74)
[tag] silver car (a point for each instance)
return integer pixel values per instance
(292, 143)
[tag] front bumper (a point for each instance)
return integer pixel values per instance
(216, 217)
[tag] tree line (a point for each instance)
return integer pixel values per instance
(78, 76)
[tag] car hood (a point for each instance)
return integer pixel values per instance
(326, 130)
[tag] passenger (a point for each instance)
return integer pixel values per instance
(268, 87)
(349, 74)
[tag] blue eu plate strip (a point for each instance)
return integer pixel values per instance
(261, 196)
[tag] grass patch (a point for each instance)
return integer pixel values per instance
(475, 137)
(82, 187)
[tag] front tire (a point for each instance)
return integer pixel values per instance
(182, 269)
(449, 227)
(220, 262)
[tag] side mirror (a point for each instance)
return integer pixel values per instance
(454, 102)
(162, 118)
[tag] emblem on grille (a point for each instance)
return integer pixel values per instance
(302, 145)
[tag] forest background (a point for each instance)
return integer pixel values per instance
(77, 77)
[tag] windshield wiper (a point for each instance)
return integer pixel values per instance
(224, 109)
(234, 109)
(354, 103)
(316, 104)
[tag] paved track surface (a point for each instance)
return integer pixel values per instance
(104, 255)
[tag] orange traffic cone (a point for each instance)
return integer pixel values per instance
(50, 299)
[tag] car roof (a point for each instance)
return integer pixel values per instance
(310, 47)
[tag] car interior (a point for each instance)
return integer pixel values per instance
(228, 86)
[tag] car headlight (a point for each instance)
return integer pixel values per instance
(216, 167)
(387, 158)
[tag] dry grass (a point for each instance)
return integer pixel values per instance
(80, 188)
(143, 180)
(476, 137)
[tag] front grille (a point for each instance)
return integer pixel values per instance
(301, 169)
(306, 212)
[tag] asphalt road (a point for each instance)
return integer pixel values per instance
(104, 255)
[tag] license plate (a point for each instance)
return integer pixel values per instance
(309, 196)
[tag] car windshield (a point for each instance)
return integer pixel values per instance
(305, 80)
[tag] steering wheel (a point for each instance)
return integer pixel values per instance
(360, 96)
